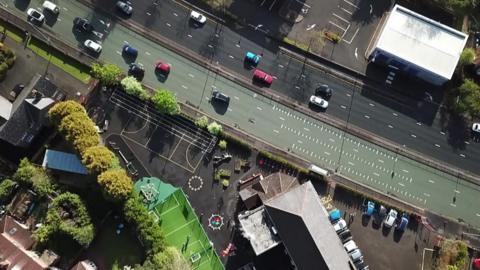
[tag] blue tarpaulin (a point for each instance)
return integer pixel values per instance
(62, 161)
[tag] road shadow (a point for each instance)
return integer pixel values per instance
(367, 11)
(50, 17)
(386, 230)
(397, 235)
(458, 131)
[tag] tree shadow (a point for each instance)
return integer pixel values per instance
(368, 11)
(22, 4)
(458, 131)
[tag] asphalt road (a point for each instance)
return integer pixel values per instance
(398, 122)
(270, 121)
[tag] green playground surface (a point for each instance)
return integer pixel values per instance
(181, 227)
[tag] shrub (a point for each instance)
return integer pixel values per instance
(116, 184)
(282, 161)
(202, 122)
(466, 57)
(98, 159)
(169, 259)
(3, 70)
(108, 74)
(7, 187)
(453, 255)
(148, 230)
(222, 144)
(165, 102)
(214, 128)
(34, 177)
(64, 108)
(134, 87)
(232, 140)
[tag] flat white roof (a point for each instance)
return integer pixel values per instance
(5, 108)
(422, 41)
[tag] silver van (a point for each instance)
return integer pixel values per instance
(47, 5)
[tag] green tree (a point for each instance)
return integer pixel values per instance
(134, 87)
(467, 57)
(222, 144)
(116, 184)
(64, 108)
(169, 259)
(165, 102)
(32, 176)
(98, 159)
(6, 188)
(149, 231)
(469, 98)
(108, 74)
(461, 6)
(202, 122)
(214, 128)
(79, 130)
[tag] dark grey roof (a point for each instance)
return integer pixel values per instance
(26, 117)
(303, 225)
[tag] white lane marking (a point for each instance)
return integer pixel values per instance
(413, 135)
(258, 108)
(437, 145)
(229, 109)
(456, 191)
(118, 52)
(376, 174)
(306, 129)
(297, 87)
(390, 126)
(371, 104)
(59, 20)
(478, 214)
(343, 106)
(327, 153)
(191, 75)
(210, 45)
(175, 14)
(66, 9)
(351, 163)
(231, 56)
(280, 66)
(281, 118)
(356, 150)
(441, 132)
(332, 140)
(184, 87)
(150, 14)
(275, 77)
(366, 116)
(299, 141)
(395, 114)
(147, 53)
(466, 142)
(276, 131)
(235, 97)
(453, 205)
(401, 184)
(169, 25)
(418, 123)
(426, 194)
(431, 181)
(238, 45)
(381, 161)
(189, 35)
(405, 171)
(462, 155)
(348, 95)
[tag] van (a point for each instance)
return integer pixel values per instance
(318, 170)
(47, 5)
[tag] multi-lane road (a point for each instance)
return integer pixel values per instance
(272, 122)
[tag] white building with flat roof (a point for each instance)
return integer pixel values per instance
(417, 45)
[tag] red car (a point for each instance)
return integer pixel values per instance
(262, 77)
(162, 67)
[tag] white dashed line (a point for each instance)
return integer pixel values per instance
(376, 174)
(462, 155)
(351, 163)
(238, 45)
(356, 150)
(390, 126)
(231, 56)
(184, 87)
(258, 108)
(401, 184)
(343, 106)
(306, 129)
(437, 145)
(280, 66)
(210, 45)
(366, 116)
(466, 142)
(332, 140)
(275, 77)
(191, 75)
(413, 135)
(299, 141)
(418, 123)
(66, 9)
(478, 214)
(371, 105)
(59, 20)
(297, 87)
(276, 131)
(426, 194)
(235, 97)
(189, 35)
(118, 52)
(395, 114)
(150, 14)
(431, 181)
(405, 171)
(147, 53)
(453, 205)
(175, 14)
(441, 132)
(381, 161)
(281, 118)
(327, 153)
(456, 191)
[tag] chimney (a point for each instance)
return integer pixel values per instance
(37, 96)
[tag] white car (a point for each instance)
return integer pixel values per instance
(93, 46)
(390, 219)
(318, 101)
(340, 225)
(350, 246)
(198, 17)
(476, 127)
(51, 7)
(356, 255)
(124, 7)
(35, 15)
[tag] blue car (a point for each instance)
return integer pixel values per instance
(129, 51)
(369, 209)
(403, 223)
(252, 58)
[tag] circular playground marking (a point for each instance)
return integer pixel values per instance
(215, 222)
(195, 183)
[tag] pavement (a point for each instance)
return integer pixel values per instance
(309, 138)
(396, 113)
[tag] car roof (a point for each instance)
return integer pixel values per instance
(350, 245)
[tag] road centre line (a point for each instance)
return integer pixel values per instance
(462, 155)
(231, 56)
(343, 106)
(371, 104)
(456, 191)
(189, 35)
(366, 116)
(437, 145)
(413, 135)
(390, 126)
(395, 114)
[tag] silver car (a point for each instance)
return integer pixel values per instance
(196, 16)
(35, 16)
(318, 101)
(124, 7)
(93, 46)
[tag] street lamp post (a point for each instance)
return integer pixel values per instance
(49, 43)
(346, 126)
(217, 30)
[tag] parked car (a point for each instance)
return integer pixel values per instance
(137, 71)
(318, 101)
(83, 25)
(350, 246)
(124, 7)
(162, 68)
(334, 215)
(324, 91)
(16, 91)
(35, 16)
(369, 209)
(51, 7)
(340, 225)
(252, 58)
(390, 219)
(129, 51)
(361, 265)
(345, 236)
(476, 127)
(382, 211)
(356, 255)
(197, 17)
(219, 96)
(403, 223)
(262, 77)
(93, 46)
(476, 264)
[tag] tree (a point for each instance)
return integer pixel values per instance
(453, 254)
(214, 128)
(79, 130)
(7, 187)
(134, 87)
(165, 102)
(98, 159)
(64, 108)
(116, 184)
(222, 144)
(461, 6)
(467, 57)
(202, 122)
(28, 174)
(108, 74)
(169, 259)
(469, 98)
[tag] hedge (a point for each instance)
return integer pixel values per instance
(282, 161)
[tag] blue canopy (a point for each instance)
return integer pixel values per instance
(334, 215)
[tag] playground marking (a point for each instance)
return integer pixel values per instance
(181, 227)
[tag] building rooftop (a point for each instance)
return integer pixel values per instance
(256, 228)
(63, 162)
(305, 230)
(422, 41)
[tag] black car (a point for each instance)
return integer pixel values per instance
(345, 236)
(137, 71)
(219, 96)
(380, 216)
(83, 25)
(16, 91)
(324, 91)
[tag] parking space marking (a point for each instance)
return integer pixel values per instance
(338, 26)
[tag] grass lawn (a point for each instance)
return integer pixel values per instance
(68, 64)
(110, 248)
